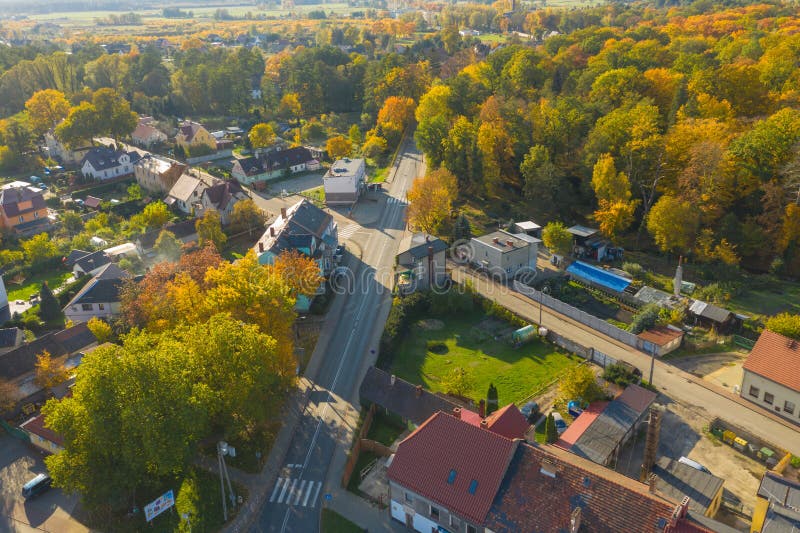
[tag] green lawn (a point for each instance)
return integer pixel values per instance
(33, 284)
(516, 372)
(333, 522)
(784, 297)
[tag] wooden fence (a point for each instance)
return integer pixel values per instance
(356, 450)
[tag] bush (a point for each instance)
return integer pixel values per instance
(437, 347)
(634, 269)
(646, 318)
(620, 374)
(795, 461)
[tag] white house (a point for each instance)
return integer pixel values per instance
(187, 193)
(103, 163)
(503, 254)
(58, 150)
(344, 181)
(771, 378)
(100, 297)
(146, 135)
(87, 263)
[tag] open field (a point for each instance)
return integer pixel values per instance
(516, 372)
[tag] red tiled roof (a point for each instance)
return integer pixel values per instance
(637, 398)
(36, 426)
(508, 422)
(660, 335)
(544, 484)
(424, 461)
(773, 357)
(576, 429)
(471, 417)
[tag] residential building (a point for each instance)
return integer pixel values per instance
(22, 209)
(601, 430)
(221, 197)
(588, 243)
(5, 314)
(660, 340)
(87, 263)
(527, 227)
(449, 475)
(192, 135)
(709, 315)
(777, 507)
(305, 228)
(678, 480)
(126, 249)
(10, 338)
(157, 175)
(421, 262)
(99, 298)
(103, 163)
(503, 254)
(187, 193)
(61, 152)
(42, 436)
(273, 165)
(344, 181)
(185, 231)
(771, 379)
(146, 134)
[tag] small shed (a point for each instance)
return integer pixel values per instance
(710, 315)
(660, 340)
(92, 202)
(527, 227)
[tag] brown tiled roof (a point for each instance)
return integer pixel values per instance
(773, 356)
(637, 398)
(425, 460)
(660, 335)
(36, 426)
(508, 422)
(544, 484)
(12, 197)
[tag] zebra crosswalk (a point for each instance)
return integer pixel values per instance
(394, 201)
(295, 491)
(348, 231)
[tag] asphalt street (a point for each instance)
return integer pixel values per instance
(293, 503)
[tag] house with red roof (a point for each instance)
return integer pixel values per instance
(771, 378)
(450, 475)
(42, 436)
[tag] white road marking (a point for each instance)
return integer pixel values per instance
(293, 494)
(308, 492)
(314, 499)
(300, 491)
(275, 491)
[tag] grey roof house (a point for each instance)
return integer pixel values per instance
(421, 262)
(99, 298)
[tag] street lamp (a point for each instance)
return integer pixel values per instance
(545, 290)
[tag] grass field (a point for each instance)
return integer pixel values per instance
(785, 298)
(516, 372)
(333, 522)
(33, 284)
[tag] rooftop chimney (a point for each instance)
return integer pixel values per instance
(651, 481)
(575, 520)
(261, 246)
(283, 212)
(457, 412)
(482, 407)
(680, 511)
(484, 425)
(510, 243)
(272, 231)
(392, 380)
(418, 392)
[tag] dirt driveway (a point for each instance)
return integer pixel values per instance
(723, 369)
(49, 512)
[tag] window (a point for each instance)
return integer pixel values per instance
(434, 512)
(452, 477)
(454, 522)
(36, 215)
(409, 498)
(101, 306)
(21, 219)
(788, 407)
(86, 307)
(473, 486)
(471, 529)
(754, 391)
(768, 398)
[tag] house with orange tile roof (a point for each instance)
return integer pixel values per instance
(770, 378)
(661, 340)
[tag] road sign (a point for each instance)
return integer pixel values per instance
(328, 496)
(159, 505)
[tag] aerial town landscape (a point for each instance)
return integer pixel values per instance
(521, 266)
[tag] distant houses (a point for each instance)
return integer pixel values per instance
(193, 135)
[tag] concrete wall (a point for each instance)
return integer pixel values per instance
(781, 394)
(420, 510)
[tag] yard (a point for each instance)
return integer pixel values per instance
(32, 284)
(470, 344)
(333, 522)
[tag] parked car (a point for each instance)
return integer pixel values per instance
(561, 426)
(36, 486)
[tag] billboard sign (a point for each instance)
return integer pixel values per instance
(159, 505)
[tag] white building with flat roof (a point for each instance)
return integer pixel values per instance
(344, 181)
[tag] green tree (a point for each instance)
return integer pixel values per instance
(462, 230)
(673, 223)
(542, 177)
(72, 222)
(261, 135)
(49, 309)
(644, 319)
(355, 136)
(209, 230)
(100, 329)
(492, 401)
(579, 383)
(458, 381)
(785, 324)
(167, 246)
(39, 249)
(154, 215)
(114, 113)
(134, 192)
(557, 239)
(247, 216)
(550, 431)
(46, 109)
(82, 123)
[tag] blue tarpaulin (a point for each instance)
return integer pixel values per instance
(598, 276)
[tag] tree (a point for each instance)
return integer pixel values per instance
(354, 134)
(644, 319)
(49, 371)
(167, 246)
(49, 308)
(579, 383)
(550, 431)
(247, 216)
(154, 215)
(46, 109)
(431, 199)
(39, 249)
(300, 271)
(115, 115)
(338, 147)
(394, 116)
(261, 135)
(209, 230)
(100, 329)
(82, 123)
(785, 324)
(462, 230)
(290, 107)
(492, 402)
(557, 239)
(134, 192)
(458, 382)
(542, 177)
(673, 223)
(72, 222)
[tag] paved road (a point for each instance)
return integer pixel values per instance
(670, 380)
(294, 501)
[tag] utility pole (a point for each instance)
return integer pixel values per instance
(652, 361)
(545, 290)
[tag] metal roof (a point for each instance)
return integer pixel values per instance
(678, 480)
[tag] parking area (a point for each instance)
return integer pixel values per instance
(296, 184)
(50, 511)
(724, 369)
